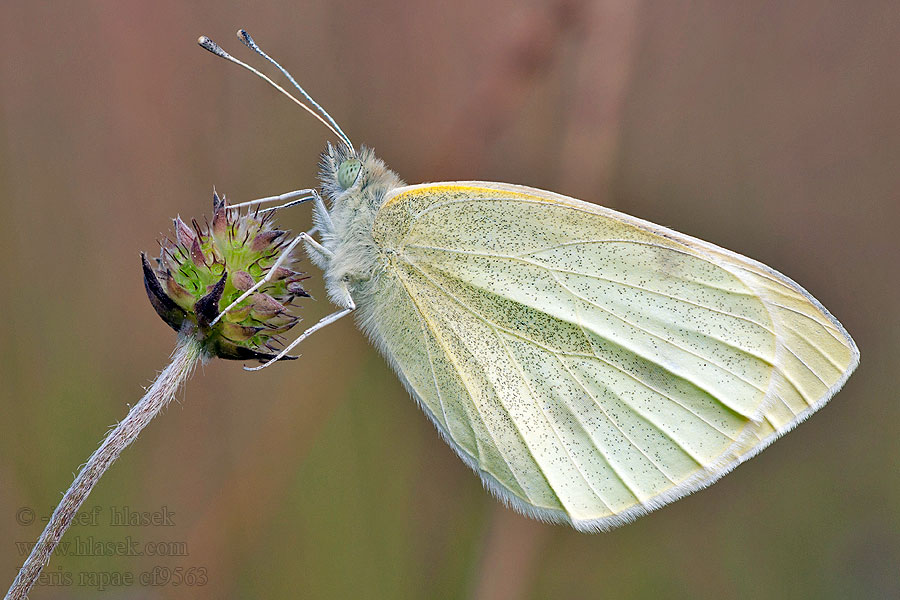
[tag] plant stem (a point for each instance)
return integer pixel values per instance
(184, 358)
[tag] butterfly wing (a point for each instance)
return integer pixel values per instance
(590, 366)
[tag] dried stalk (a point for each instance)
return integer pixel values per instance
(185, 357)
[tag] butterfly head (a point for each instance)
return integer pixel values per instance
(346, 175)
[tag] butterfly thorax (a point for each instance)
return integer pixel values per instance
(346, 231)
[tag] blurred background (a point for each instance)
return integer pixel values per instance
(770, 128)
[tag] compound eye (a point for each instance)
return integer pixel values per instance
(348, 172)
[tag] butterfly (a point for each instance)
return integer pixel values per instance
(589, 366)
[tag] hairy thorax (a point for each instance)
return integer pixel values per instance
(346, 231)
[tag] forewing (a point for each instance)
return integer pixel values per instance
(589, 365)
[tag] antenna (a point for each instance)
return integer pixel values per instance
(211, 46)
(248, 41)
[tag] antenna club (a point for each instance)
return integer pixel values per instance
(207, 44)
(248, 41)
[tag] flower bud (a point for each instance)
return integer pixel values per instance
(206, 268)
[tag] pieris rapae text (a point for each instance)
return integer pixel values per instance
(588, 365)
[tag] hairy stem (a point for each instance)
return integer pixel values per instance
(185, 357)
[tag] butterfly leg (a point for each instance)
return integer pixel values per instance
(319, 325)
(294, 198)
(321, 211)
(290, 199)
(271, 273)
(315, 246)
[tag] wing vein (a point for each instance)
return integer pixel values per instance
(610, 364)
(612, 422)
(622, 400)
(821, 352)
(556, 434)
(663, 339)
(471, 395)
(645, 419)
(826, 326)
(614, 281)
(437, 387)
(806, 366)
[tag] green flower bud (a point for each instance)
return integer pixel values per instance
(206, 268)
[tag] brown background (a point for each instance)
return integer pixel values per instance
(770, 128)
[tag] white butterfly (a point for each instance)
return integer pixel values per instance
(588, 365)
